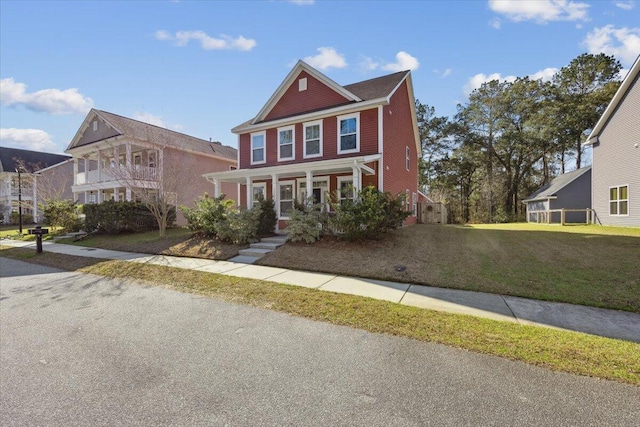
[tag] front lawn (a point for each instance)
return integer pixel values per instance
(588, 265)
(178, 242)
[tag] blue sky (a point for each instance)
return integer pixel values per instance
(204, 67)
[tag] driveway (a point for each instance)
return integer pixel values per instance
(79, 349)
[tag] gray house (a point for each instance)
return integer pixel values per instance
(616, 156)
(569, 191)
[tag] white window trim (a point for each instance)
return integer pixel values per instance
(341, 179)
(619, 200)
(345, 117)
(95, 125)
(154, 155)
(415, 204)
(293, 195)
(408, 158)
(292, 128)
(408, 200)
(255, 185)
(264, 147)
(304, 139)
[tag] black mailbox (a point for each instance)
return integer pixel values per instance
(38, 231)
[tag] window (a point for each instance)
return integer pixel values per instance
(92, 198)
(286, 199)
(312, 139)
(345, 188)
(619, 200)
(408, 200)
(152, 159)
(408, 158)
(259, 192)
(137, 160)
(348, 135)
(95, 125)
(302, 84)
(286, 143)
(257, 148)
(415, 204)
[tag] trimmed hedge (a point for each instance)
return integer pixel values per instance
(113, 217)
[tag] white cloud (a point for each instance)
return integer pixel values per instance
(476, 81)
(182, 38)
(623, 43)
(404, 61)
(541, 11)
(496, 23)
(626, 5)
(302, 2)
(53, 101)
(544, 75)
(368, 64)
(446, 73)
(29, 139)
(327, 58)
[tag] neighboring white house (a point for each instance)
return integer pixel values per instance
(24, 186)
(615, 140)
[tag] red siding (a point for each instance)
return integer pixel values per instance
(398, 134)
(317, 96)
(368, 141)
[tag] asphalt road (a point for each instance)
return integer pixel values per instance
(78, 349)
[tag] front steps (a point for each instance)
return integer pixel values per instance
(259, 249)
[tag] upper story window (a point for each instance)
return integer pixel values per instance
(348, 133)
(95, 125)
(302, 84)
(408, 158)
(152, 159)
(312, 139)
(258, 152)
(286, 143)
(619, 200)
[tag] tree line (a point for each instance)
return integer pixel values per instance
(510, 138)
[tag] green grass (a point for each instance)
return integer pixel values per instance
(558, 350)
(130, 239)
(13, 232)
(588, 265)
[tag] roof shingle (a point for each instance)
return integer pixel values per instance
(33, 160)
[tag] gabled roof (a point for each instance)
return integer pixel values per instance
(297, 69)
(10, 157)
(368, 90)
(551, 189)
(380, 87)
(613, 105)
(147, 132)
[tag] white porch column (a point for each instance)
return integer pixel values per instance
(160, 164)
(100, 195)
(99, 167)
(309, 190)
(116, 196)
(249, 194)
(34, 181)
(86, 170)
(275, 195)
(216, 188)
(127, 195)
(127, 159)
(75, 171)
(86, 199)
(357, 185)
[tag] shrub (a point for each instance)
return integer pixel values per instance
(369, 215)
(207, 212)
(14, 218)
(306, 223)
(240, 226)
(111, 217)
(61, 213)
(267, 219)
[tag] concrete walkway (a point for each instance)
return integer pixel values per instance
(591, 320)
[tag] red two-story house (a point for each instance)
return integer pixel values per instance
(316, 134)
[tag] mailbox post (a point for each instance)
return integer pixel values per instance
(38, 231)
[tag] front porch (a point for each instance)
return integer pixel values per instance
(287, 183)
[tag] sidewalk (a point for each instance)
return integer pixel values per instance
(591, 320)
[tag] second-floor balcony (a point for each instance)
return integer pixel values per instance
(117, 173)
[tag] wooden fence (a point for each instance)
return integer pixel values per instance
(432, 213)
(560, 217)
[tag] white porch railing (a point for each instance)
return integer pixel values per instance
(141, 173)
